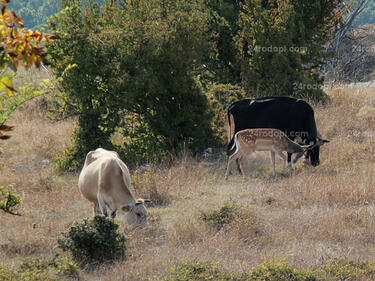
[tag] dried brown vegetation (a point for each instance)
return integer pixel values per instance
(306, 218)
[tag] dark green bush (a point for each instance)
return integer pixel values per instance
(94, 241)
(227, 214)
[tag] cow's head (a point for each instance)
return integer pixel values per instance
(313, 151)
(136, 213)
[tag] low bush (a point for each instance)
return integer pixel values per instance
(333, 270)
(94, 241)
(41, 269)
(195, 271)
(339, 269)
(227, 214)
(9, 199)
(277, 271)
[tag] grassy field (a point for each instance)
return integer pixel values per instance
(305, 219)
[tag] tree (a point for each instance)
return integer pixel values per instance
(281, 45)
(132, 65)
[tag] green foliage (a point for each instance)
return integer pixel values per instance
(9, 104)
(227, 214)
(94, 241)
(141, 145)
(276, 271)
(8, 199)
(224, 20)
(338, 269)
(194, 271)
(333, 270)
(41, 270)
(281, 46)
(148, 72)
(220, 97)
(7, 274)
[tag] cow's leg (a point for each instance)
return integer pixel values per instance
(290, 162)
(96, 209)
(102, 204)
(272, 155)
(113, 214)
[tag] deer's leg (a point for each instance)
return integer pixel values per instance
(282, 156)
(227, 171)
(231, 158)
(272, 155)
(238, 165)
(240, 161)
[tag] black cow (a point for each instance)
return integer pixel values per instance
(294, 117)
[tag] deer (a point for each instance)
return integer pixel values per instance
(273, 140)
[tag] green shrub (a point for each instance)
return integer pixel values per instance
(276, 271)
(194, 271)
(339, 269)
(333, 270)
(41, 270)
(94, 241)
(8, 199)
(227, 214)
(7, 274)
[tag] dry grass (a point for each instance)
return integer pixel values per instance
(315, 214)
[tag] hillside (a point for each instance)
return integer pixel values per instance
(306, 218)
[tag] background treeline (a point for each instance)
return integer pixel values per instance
(35, 13)
(367, 16)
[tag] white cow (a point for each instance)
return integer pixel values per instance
(105, 181)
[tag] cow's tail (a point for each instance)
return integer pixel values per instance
(230, 124)
(232, 147)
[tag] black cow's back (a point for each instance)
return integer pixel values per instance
(294, 117)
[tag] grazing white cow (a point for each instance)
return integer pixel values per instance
(105, 181)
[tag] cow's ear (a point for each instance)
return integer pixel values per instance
(126, 208)
(90, 158)
(142, 201)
